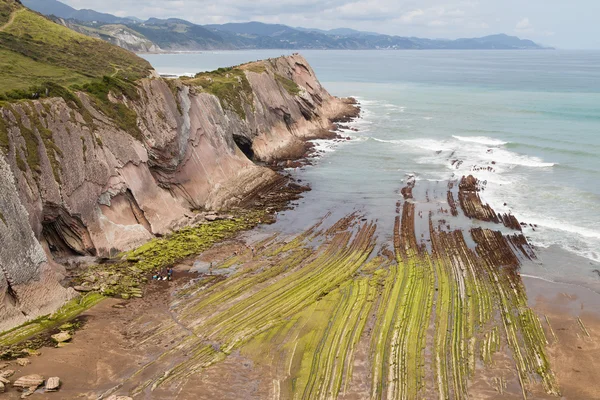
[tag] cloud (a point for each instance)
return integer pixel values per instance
(524, 26)
(410, 16)
(425, 18)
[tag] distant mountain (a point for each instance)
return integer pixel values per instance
(339, 32)
(254, 29)
(175, 34)
(58, 9)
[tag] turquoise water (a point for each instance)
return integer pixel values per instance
(531, 116)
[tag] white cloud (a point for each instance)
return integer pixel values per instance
(409, 17)
(524, 26)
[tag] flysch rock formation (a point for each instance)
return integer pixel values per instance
(96, 190)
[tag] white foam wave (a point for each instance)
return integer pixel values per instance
(508, 157)
(325, 145)
(480, 140)
(565, 227)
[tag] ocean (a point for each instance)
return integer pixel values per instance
(527, 123)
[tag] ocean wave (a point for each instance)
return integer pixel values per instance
(562, 150)
(508, 157)
(565, 227)
(480, 140)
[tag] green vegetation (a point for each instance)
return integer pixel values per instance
(34, 49)
(67, 312)
(289, 85)
(4, 139)
(256, 67)
(52, 149)
(124, 278)
(229, 85)
(19, 73)
(6, 9)
(32, 143)
(123, 116)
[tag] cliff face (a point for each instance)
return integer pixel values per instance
(75, 182)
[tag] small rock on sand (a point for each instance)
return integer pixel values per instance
(7, 373)
(83, 288)
(23, 362)
(52, 384)
(211, 217)
(2, 387)
(61, 337)
(29, 381)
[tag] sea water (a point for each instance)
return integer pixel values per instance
(532, 117)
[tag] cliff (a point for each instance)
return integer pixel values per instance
(87, 183)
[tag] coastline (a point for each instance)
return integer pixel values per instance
(209, 331)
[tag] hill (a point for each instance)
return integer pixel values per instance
(35, 50)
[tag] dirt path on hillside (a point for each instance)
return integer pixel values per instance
(10, 20)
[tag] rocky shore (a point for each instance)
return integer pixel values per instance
(332, 312)
(74, 182)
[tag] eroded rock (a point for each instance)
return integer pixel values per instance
(52, 384)
(23, 362)
(29, 381)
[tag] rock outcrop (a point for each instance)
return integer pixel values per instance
(73, 181)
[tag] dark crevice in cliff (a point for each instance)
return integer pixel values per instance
(11, 294)
(65, 234)
(137, 212)
(245, 145)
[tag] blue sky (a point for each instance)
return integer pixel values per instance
(565, 24)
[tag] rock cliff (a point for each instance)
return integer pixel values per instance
(76, 179)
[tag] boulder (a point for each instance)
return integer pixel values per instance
(2, 387)
(53, 384)
(61, 337)
(29, 381)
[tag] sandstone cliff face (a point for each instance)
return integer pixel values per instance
(73, 183)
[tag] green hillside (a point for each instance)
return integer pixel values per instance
(35, 50)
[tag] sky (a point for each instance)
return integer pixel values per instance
(567, 24)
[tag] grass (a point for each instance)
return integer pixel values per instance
(4, 139)
(6, 9)
(18, 72)
(289, 85)
(35, 50)
(124, 117)
(229, 85)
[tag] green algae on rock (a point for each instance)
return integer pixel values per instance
(123, 278)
